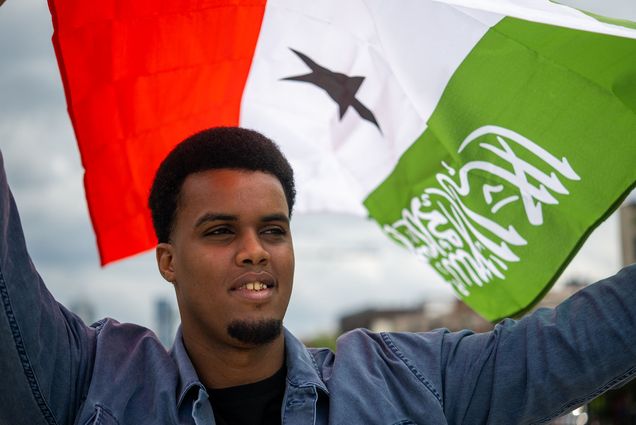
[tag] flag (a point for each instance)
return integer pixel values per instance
(487, 137)
(629, 23)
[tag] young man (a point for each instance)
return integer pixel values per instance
(221, 204)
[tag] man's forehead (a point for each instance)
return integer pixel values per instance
(233, 192)
(223, 177)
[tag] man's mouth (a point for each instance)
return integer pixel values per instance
(254, 286)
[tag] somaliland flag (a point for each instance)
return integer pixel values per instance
(489, 138)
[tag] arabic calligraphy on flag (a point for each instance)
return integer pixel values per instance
(469, 248)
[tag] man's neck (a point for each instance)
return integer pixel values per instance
(223, 367)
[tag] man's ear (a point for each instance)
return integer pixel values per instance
(165, 261)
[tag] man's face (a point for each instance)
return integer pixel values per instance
(231, 256)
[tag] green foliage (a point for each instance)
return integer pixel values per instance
(323, 340)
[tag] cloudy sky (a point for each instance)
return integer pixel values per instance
(344, 263)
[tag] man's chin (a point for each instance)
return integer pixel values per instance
(255, 332)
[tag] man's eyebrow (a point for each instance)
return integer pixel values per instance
(209, 217)
(214, 217)
(275, 217)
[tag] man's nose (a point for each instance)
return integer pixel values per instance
(251, 251)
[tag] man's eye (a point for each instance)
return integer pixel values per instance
(218, 231)
(274, 231)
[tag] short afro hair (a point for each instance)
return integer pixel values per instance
(215, 148)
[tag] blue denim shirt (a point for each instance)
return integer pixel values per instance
(56, 370)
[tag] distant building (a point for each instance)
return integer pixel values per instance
(628, 232)
(165, 320)
(461, 317)
(557, 295)
(84, 309)
(454, 315)
(398, 319)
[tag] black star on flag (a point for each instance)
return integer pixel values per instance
(340, 87)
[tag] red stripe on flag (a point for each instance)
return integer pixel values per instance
(140, 76)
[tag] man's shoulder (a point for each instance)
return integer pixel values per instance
(362, 337)
(111, 328)
(369, 344)
(131, 365)
(127, 344)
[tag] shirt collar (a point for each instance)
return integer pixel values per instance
(302, 370)
(188, 377)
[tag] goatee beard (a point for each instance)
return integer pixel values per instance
(259, 332)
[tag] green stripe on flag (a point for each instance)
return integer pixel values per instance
(531, 146)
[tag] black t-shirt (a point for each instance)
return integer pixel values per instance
(251, 404)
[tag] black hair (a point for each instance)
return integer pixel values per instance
(214, 148)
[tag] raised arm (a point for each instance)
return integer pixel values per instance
(45, 351)
(547, 363)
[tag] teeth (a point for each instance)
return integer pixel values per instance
(255, 286)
